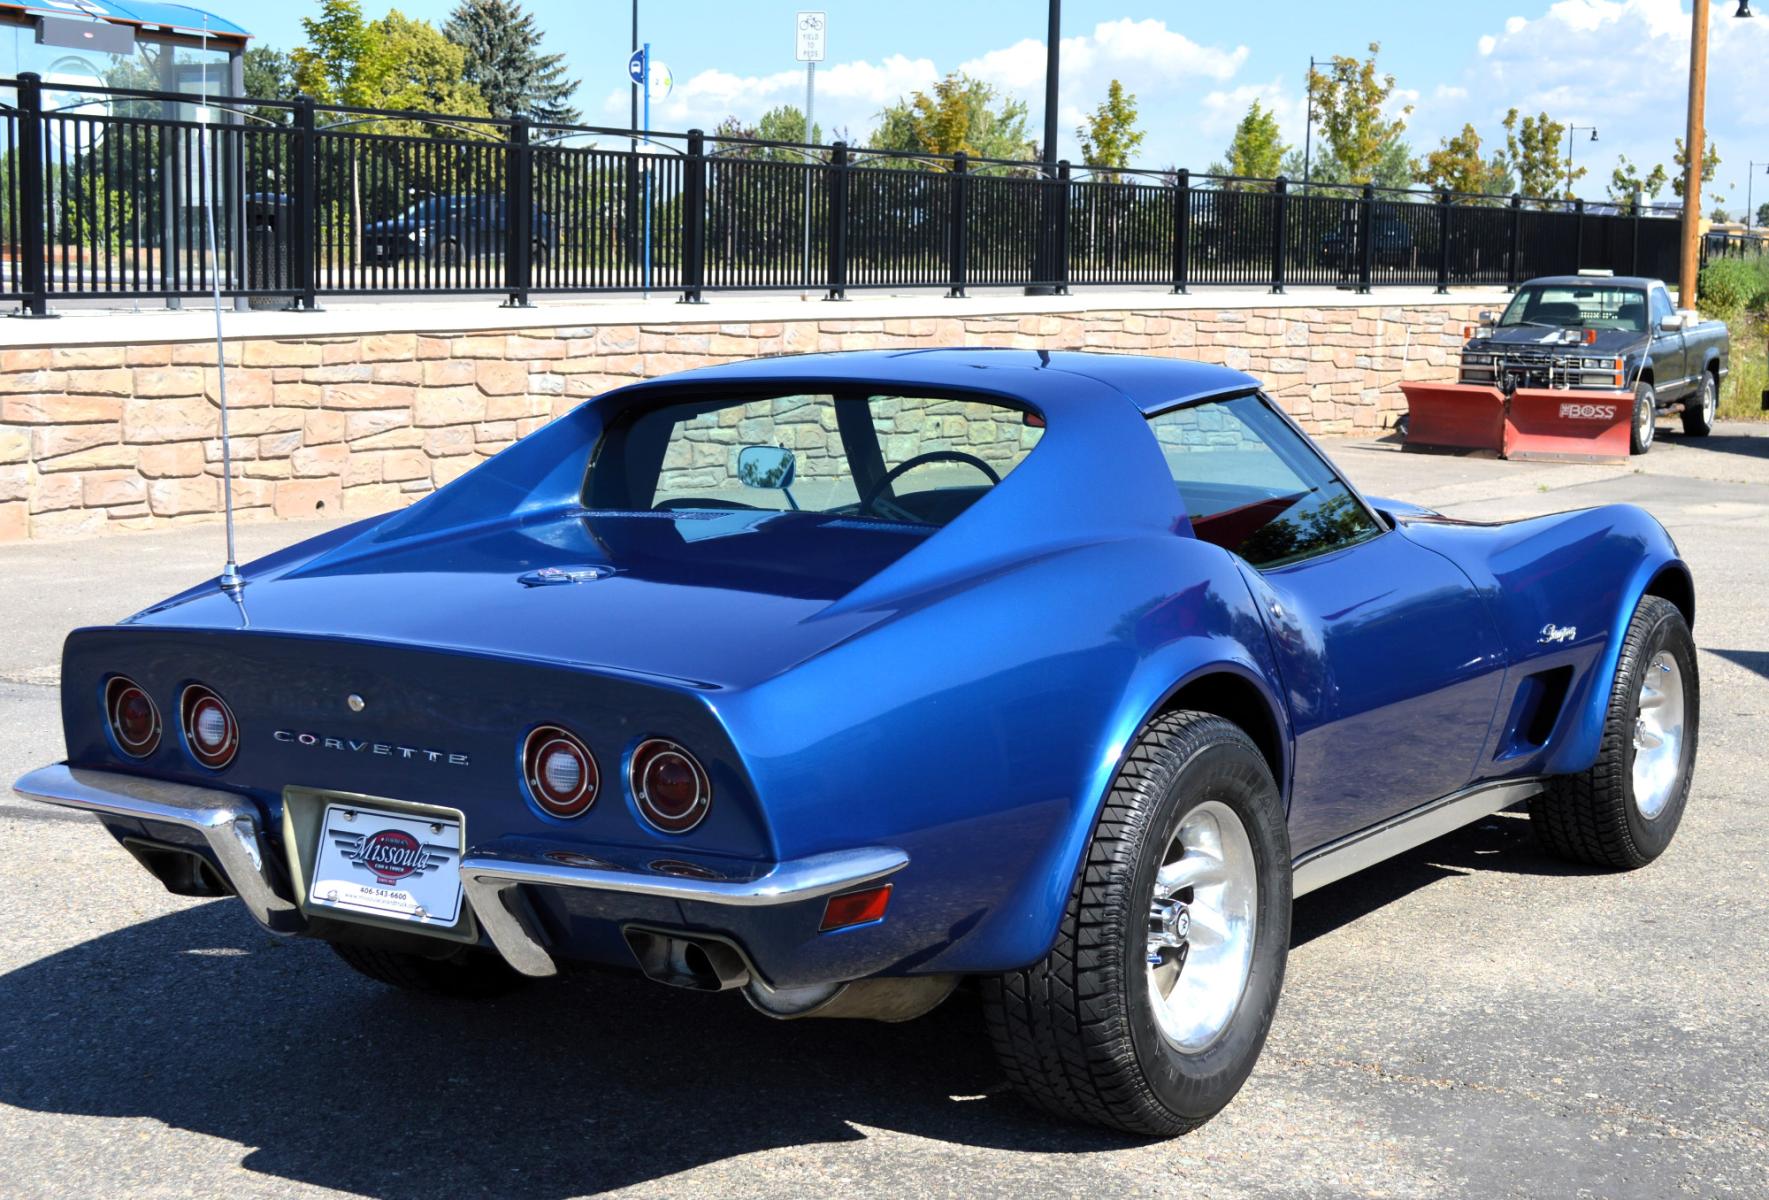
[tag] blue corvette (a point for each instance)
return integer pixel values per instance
(842, 679)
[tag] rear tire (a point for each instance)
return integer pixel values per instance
(1623, 812)
(467, 975)
(1699, 412)
(1087, 1033)
(1645, 418)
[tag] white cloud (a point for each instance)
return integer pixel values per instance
(1619, 65)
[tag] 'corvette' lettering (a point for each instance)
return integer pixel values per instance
(384, 749)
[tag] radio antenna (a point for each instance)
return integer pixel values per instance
(231, 581)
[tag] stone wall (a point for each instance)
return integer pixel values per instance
(102, 435)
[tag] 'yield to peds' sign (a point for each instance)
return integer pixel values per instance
(812, 27)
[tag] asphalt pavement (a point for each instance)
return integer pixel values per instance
(1474, 1018)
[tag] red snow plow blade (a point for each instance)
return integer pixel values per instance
(1463, 416)
(1531, 423)
(1584, 426)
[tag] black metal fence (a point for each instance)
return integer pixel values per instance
(109, 193)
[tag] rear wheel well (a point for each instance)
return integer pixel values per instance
(1674, 584)
(1235, 699)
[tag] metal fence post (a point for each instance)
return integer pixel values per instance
(33, 217)
(1443, 242)
(518, 215)
(1514, 274)
(1280, 238)
(1634, 236)
(302, 251)
(1059, 251)
(1366, 259)
(1578, 241)
(1182, 232)
(957, 239)
(694, 218)
(838, 221)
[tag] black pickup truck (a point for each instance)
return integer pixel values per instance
(1610, 333)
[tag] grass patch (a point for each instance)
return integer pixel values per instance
(1741, 396)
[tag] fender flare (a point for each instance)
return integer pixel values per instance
(1590, 706)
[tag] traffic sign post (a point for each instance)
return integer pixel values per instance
(812, 29)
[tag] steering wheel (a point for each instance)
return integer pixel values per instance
(875, 495)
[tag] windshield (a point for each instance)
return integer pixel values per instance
(866, 455)
(1578, 306)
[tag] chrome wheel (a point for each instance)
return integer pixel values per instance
(1709, 398)
(1658, 735)
(1202, 921)
(1646, 418)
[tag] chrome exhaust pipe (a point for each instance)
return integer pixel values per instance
(698, 963)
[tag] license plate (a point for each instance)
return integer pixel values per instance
(388, 865)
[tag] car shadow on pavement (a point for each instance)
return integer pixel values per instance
(1750, 660)
(203, 1022)
(1502, 842)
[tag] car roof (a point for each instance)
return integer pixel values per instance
(1626, 281)
(1148, 382)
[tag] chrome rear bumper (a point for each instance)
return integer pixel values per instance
(231, 827)
(228, 823)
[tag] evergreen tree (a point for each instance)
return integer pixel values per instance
(505, 62)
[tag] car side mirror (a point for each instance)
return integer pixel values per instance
(766, 467)
(1672, 323)
(1488, 316)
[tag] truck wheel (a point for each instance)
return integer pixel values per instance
(1698, 413)
(1150, 1010)
(467, 974)
(1645, 418)
(1623, 812)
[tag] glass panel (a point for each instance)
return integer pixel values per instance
(914, 459)
(1252, 485)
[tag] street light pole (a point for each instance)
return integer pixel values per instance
(1570, 139)
(1044, 255)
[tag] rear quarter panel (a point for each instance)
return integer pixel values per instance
(979, 730)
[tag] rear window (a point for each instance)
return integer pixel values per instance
(868, 455)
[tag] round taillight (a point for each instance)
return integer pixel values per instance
(669, 785)
(209, 728)
(561, 772)
(133, 716)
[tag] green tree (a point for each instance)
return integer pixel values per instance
(1710, 163)
(1763, 214)
(1532, 149)
(1626, 179)
(414, 67)
(338, 42)
(962, 114)
(1457, 166)
(1257, 150)
(1720, 216)
(504, 61)
(783, 123)
(1108, 135)
(270, 74)
(1351, 101)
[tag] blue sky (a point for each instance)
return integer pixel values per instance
(1618, 64)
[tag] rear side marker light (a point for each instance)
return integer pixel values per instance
(560, 771)
(210, 730)
(133, 717)
(856, 908)
(669, 786)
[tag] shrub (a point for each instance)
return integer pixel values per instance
(1731, 286)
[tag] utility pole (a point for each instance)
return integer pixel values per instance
(1695, 148)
